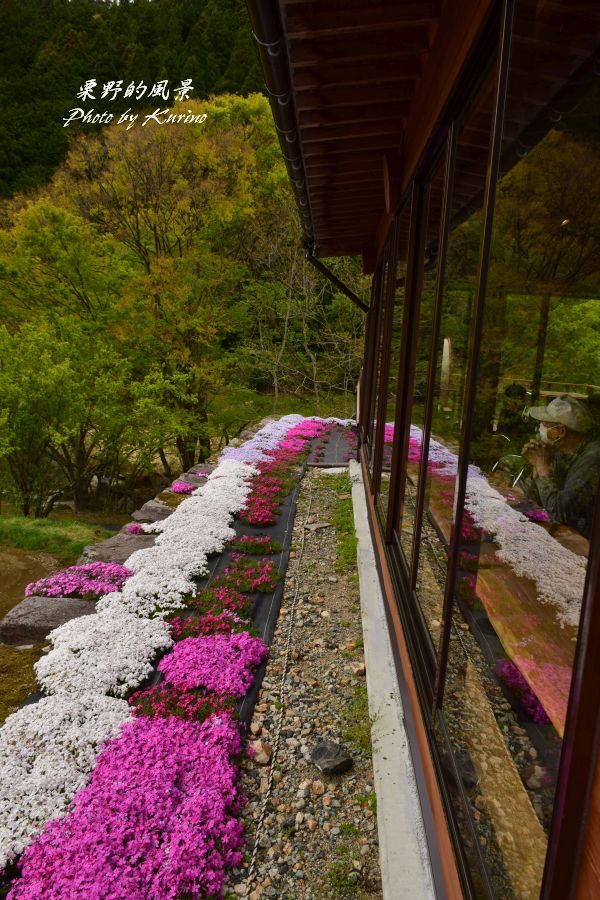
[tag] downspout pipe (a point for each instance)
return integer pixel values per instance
(267, 28)
(344, 289)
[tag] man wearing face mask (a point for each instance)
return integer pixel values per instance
(566, 462)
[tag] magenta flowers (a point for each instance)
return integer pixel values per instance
(156, 821)
(89, 581)
(223, 663)
(134, 528)
(182, 487)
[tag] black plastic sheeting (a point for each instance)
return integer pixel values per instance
(336, 448)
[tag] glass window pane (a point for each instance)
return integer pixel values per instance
(534, 468)
(424, 328)
(452, 355)
(375, 385)
(402, 236)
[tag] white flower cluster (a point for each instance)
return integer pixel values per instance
(201, 525)
(46, 753)
(265, 439)
(105, 653)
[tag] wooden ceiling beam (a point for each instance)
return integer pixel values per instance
(321, 98)
(342, 74)
(347, 19)
(373, 112)
(402, 42)
(374, 134)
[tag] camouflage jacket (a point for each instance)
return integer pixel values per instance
(568, 492)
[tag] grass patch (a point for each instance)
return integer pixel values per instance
(343, 519)
(358, 721)
(349, 828)
(62, 538)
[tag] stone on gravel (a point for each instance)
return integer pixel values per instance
(152, 511)
(116, 549)
(262, 752)
(330, 758)
(33, 618)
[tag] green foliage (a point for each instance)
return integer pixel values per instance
(49, 48)
(343, 519)
(62, 538)
(358, 723)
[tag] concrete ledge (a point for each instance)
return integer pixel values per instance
(404, 857)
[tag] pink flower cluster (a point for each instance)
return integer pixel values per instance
(88, 581)
(182, 487)
(222, 663)
(212, 623)
(165, 700)
(156, 821)
(508, 672)
(134, 528)
(250, 574)
(536, 515)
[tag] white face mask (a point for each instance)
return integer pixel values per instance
(543, 433)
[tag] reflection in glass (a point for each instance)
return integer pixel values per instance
(425, 317)
(532, 481)
(375, 385)
(402, 232)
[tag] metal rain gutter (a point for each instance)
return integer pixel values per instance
(267, 29)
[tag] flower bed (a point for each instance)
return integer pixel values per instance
(157, 818)
(88, 581)
(249, 575)
(47, 750)
(223, 663)
(255, 546)
(216, 599)
(211, 623)
(166, 700)
(156, 821)
(104, 654)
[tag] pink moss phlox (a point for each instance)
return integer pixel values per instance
(182, 487)
(222, 663)
(134, 528)
(536, 515)
(91, 580)
(251, 575)
(164, 700)
(211, 623)
(156, 821)
(508, 672)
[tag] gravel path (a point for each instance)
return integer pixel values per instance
(319, 836)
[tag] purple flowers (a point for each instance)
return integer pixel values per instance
(513, 679)
(155, 821)
(134, 528)
(536, 515)
(182, 487)
(89, 581)
(223, 663)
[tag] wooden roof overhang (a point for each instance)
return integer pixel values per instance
(358, 86)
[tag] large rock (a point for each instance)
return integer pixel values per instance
(331, 759)
(152, 511)
(33, 618)
(116, 549)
